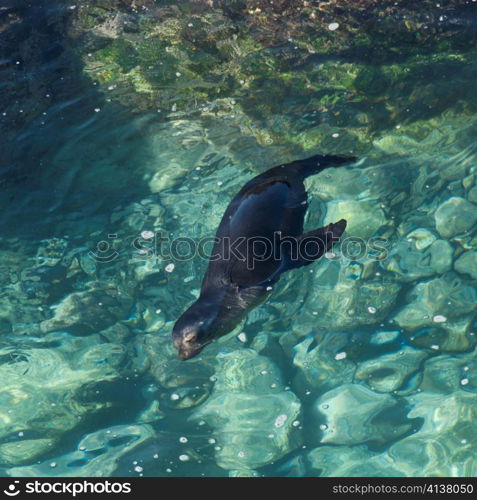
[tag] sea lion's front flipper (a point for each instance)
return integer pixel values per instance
(313, 245)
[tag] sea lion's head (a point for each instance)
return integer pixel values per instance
(194, 330)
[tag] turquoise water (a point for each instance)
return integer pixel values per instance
(121, 121)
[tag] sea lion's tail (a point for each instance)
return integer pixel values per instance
(317, 163)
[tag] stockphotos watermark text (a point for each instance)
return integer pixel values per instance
(153, 245)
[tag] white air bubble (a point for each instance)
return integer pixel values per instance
(242, 337)
(280, 420)
(147, 235)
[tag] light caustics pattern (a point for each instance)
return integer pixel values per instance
(133, 119)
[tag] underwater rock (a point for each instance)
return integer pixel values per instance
(441, 256)
(388, 372)
(111, 355)
(353, 414)
(421, 238)
(116, 333)
(419, 255)
(364, 218)
(385, 337)
(431, 337)
(151, 414)
(472, 195)
(365, 185)
(250, 411)
(441, 445)
(434, 302)
(289, 339)
(97, 454)
(319, 360)
(40, 388)
(461, 336)
(181, 385)
(24, 450)
(164, 366)
(345, 303)
(32, 383)
(91, 311)
(455, 216)
(447, 374)
(243, 473)
(350, 461)
(467, 264)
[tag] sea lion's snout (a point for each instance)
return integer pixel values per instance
(193, 331)
(185, 354)
(186, 343)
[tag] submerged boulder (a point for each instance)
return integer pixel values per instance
(89, 311)
(42, 393)
(467, 264)
(352, 414)
(254, 418)
(455, 216)
(446, 302)
(97, 454)
(388, 372)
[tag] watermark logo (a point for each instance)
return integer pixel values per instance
(57, 486)
(12, 490)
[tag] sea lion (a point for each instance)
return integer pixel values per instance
(268, 210)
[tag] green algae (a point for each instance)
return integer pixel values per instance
(177, 59)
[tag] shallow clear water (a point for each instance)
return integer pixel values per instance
(354, 366)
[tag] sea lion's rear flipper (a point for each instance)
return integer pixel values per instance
(313, 245)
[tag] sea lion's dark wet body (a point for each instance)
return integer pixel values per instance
(242, 270)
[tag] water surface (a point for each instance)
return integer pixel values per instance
(121, 119)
